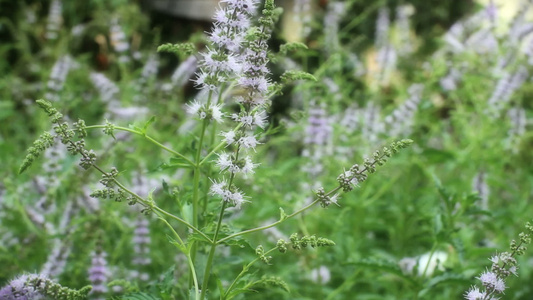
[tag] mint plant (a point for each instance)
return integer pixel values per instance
(237, 57)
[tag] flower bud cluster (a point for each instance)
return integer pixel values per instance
(36, 286)
(44, 141)
(260, 251)
(355, 175)
(324, 199)
(297, 243)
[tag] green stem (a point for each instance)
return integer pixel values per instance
(279, 221)
(433, 249)
(157, 208)
(194, 277)
(244, 270)
(268, 226)
(211, 256)
(148, 138)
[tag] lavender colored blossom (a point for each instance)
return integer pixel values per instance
(402, 24)
(386, 60)
(55, 20)
(493, 280)
(150, 69)
(350, 120)
(518, 120)
(451, 80)
(58, 76)
(400, 120)
(107, 89)
(98, 274)
(492, 13)
(505, 88)
(382, 27)
(516, 29)
(372, 125)
(57, 259)
(22, 288)
(141, 246)
(482, 41)
(318, 130)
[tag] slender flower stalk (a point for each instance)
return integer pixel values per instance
(503, 265)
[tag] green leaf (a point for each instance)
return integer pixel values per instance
(176, 243)
(197, 237)
(167, 281)
(148, 123)
(282, 214)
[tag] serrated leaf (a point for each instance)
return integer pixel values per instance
(197, 237)
(176, 243)
(167, 281)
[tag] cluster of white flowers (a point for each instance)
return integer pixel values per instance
(213, 112)
(504, 90)
(233, 196)
(229, 163)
